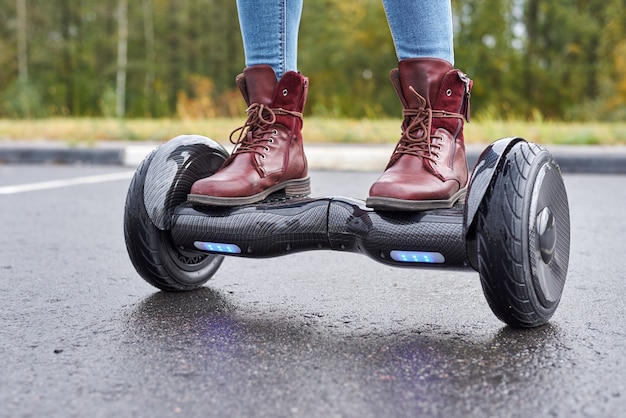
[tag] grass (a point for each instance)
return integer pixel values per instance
(316, 130)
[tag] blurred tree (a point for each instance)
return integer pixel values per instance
(560, 59)
(611, 103)
(486, 49)
(22, 42)
(8, 41)
(122, 58)
(347, 51)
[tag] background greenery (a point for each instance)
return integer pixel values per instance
(541, 60)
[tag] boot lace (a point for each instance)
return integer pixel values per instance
(416, 136)
(258, 131)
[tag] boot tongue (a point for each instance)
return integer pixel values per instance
(425, 76)
(260, 84)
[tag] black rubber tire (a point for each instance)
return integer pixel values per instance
(523, 237)
(151, 250)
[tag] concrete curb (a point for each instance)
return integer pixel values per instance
(338, 157)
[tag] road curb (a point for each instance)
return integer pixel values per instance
(335, 157)
(30, 155)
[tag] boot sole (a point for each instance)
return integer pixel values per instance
(392, 204)
(291, 188)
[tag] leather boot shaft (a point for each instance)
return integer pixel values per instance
(257, 84)
(423, 75)
(444, 89)
(282, 106)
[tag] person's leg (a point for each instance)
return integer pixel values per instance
(269, 155)
(421, 28)
(428, 168)
(269, 29)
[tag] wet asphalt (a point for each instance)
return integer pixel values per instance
(317, 334)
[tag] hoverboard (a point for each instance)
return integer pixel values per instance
(513, 227)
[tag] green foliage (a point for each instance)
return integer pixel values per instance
(556, 58)
(347, 52)
(563, 59)
(21, 100)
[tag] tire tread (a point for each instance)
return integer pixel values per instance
(505, 288)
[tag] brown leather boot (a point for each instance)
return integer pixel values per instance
(268, 155)
(428, 168)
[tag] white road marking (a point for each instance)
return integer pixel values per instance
(54, 184)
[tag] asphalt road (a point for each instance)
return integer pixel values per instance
(318, 334)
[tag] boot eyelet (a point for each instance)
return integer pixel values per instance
(267, 149)
(271, 140)
(262, 156)
(448, 92)
(275, 132)
(285, 92)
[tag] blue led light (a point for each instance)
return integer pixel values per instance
(217, 247)
(417, 257)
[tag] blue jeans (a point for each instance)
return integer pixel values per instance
(419, 28)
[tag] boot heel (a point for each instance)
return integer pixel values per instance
(299, 187)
